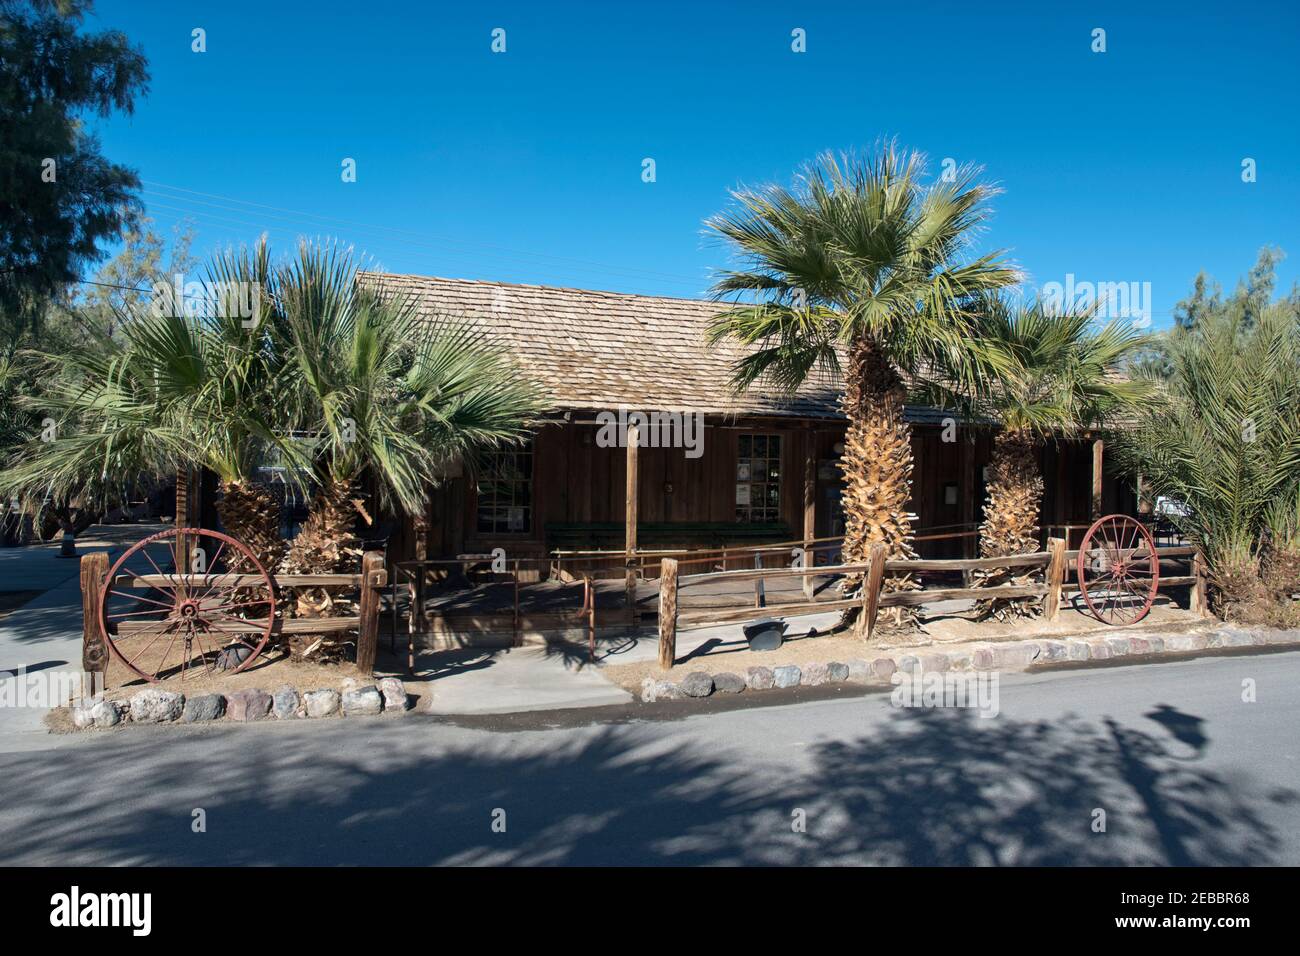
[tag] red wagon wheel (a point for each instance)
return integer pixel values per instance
(218, 616)
(1119, 570)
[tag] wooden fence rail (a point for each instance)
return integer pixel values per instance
(1056, 562)
(372, 579)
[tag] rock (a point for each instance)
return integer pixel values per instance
(934, 663)
(759, 678)
(349, 683)
(285, 702)
(908, 663)
(362, 702)
(1119, 646)
(648, 686)
(1139, 645)
(95, 712)
(1235, 637)
(814, 675)
(1017, 654)
(1156, 644)
(1076, 650)
(1282, 636)
(859, 671)
(957, 660)
(697, 684)
(1055, 650)
(394, 692)
(231, 657)
(204, 707)
(321, 703)
(984, 659)
(667, 690)
(728, 683)
(883, 668)
(1185, 642)
(787, 675)
(837, 672)
(250, 704)
(156, 706)
(1099, 651)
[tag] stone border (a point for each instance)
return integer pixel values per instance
(1002, 656)
(154, 706)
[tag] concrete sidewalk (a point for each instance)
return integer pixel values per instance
(45, 633)
(514, 679)
(559, 675)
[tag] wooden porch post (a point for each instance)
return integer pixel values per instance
(1098, 448)
(629, 546)
(809, 507)
(184, 511)
(969, 543)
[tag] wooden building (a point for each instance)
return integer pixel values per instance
(711, 467)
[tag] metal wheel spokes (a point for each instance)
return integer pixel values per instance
(172, 622)
(1118, 570)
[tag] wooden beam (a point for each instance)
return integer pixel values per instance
(630, 520)
(633, 441)
(1098, 464)
(871, 591)
(296, 625)
(968, 503)
(372, 577)
(94, 652)
(1062, 505)
(1200, 601)
(1055, 578)
(809, 506)
(667, 613)
(238, 580)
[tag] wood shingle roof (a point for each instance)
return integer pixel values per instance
(602, 350)
(594, 350)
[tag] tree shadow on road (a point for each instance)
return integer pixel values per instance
(930, 787)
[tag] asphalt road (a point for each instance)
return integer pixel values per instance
(1185, 770)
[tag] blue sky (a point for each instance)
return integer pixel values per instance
(525, 166)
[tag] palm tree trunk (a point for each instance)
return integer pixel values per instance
(1010, 524)
(326, 544)
(877, 466)
(251, 515)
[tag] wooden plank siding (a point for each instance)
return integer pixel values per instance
(577, 482)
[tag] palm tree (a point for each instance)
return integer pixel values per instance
(177, 389)
(1221, 437)
(385, 395)
(859, 257)
(1042, 373)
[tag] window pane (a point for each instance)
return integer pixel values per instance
(505, 492)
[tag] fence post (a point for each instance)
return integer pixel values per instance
(667, 612)
(94, 653)
(1200, 602)
(1055, 578)
(372, 579)
(760, 593)
(871, 592)
(415, 621)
